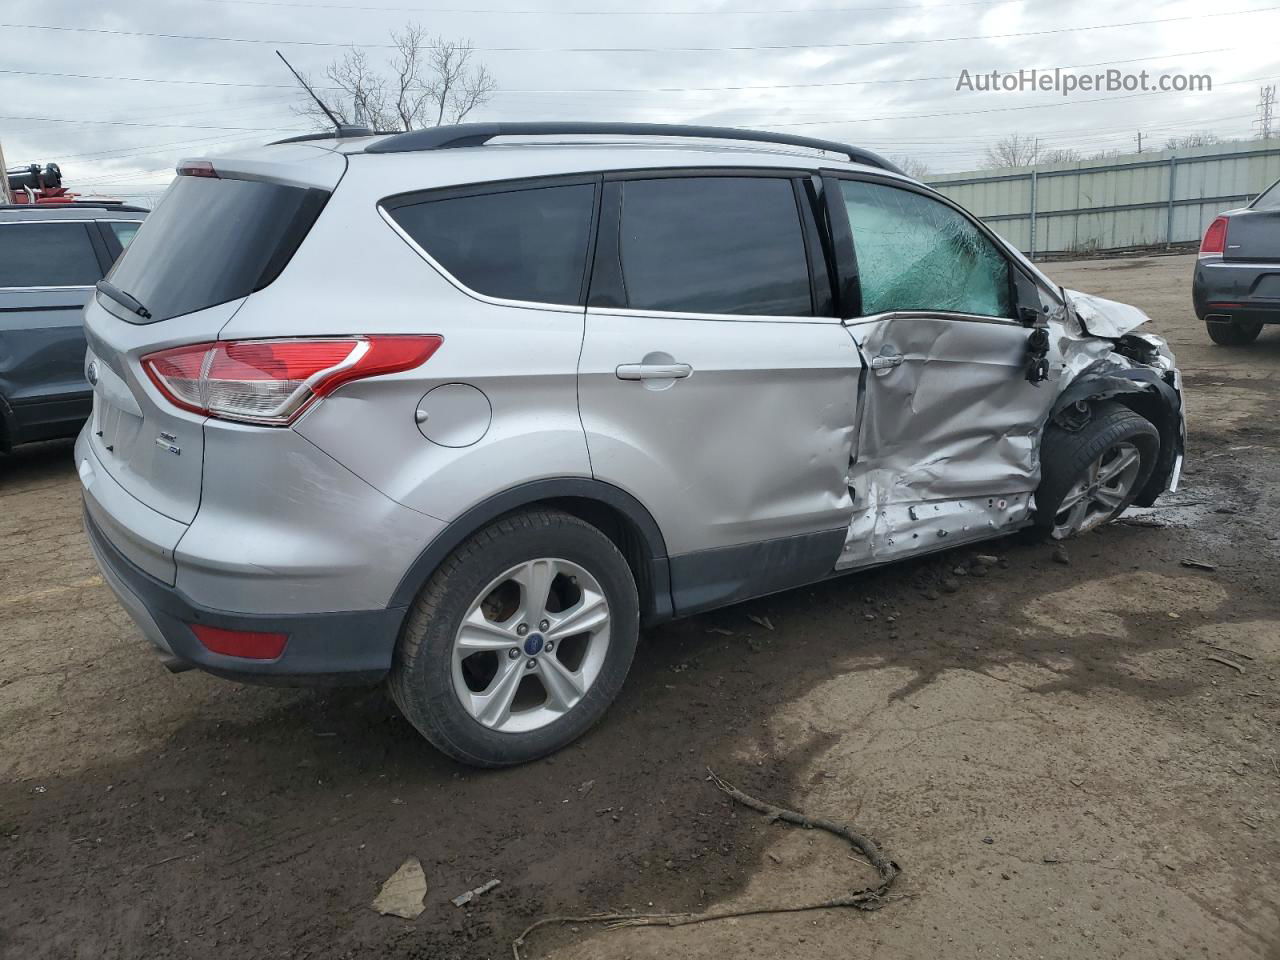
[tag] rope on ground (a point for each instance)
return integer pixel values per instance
(868, 898)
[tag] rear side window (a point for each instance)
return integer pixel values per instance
(123, 231)
(915, 253)
(211, 240)
(714, 245)
(1270, 199)
(523, 244)
(47, 255)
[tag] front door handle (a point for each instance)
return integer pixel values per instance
(653, 371)
(885, 361)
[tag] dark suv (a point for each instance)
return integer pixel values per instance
(50, 259)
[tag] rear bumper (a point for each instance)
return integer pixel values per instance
(347, 647)
(1225, 291)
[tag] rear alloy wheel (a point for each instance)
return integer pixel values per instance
(1233, 333)
(1088, 477)
(531, 645)
(520, 640)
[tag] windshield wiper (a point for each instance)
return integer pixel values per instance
(126, 300)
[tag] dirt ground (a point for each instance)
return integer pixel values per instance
(1049, 751)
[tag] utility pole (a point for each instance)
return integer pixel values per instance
(1266, 106)
(6, 195)
(1139, 141)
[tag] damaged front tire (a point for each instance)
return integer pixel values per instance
(1090, 476)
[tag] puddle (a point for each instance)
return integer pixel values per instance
(1171, 513)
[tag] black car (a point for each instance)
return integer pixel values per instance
(1237, 282)
(50, 259)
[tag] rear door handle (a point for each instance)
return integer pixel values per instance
(653, 371)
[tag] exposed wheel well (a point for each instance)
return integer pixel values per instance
(1143, 392)
(624, 533)
(617, 514)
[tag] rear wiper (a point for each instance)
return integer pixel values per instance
(126, 300)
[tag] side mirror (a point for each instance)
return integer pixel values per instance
(1038, 356)
(1030, 305)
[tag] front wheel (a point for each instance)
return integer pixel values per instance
(1234, 333)
(519, 642)
(1089, 477)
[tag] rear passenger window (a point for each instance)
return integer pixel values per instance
(1270, 200)
(714, 245)
(47, 255)
(915, 253)
(524, 244)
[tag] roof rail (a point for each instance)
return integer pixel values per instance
(477, 134)
(340, 133)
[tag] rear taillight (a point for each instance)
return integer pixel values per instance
(1215, 238)
(273, 381)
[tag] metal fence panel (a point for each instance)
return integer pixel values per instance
(1144, 199)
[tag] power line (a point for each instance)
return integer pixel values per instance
(175, 126)
(796, 123)
(642, 90)
(966, 113)
(902, 144)
(128, 153)
(155, 117)
(725, 49)
(611, 13)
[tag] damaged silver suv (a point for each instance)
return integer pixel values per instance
(462, 409)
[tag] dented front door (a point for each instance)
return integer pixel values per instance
(949, 445)
(948, 440)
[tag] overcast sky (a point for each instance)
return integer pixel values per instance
(851, 70)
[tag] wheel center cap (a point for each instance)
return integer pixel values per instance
(533, 644)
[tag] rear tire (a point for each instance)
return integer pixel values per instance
(479, 650)
(1090, 477)
(1237, 333)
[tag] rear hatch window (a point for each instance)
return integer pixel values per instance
(211, 240)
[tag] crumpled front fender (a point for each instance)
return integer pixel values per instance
(1153, 390)
(1101, 317)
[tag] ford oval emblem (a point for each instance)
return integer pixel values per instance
(92, 372)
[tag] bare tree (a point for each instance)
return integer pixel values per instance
(407, 68)
(1058, 155)
(1203, 138)
(425, 82)
(456, 88)
(356, 93)
(913, 167)
(1014, 150)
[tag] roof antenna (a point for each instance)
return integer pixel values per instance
(341, 128)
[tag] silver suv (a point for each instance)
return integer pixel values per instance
(464, 408)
